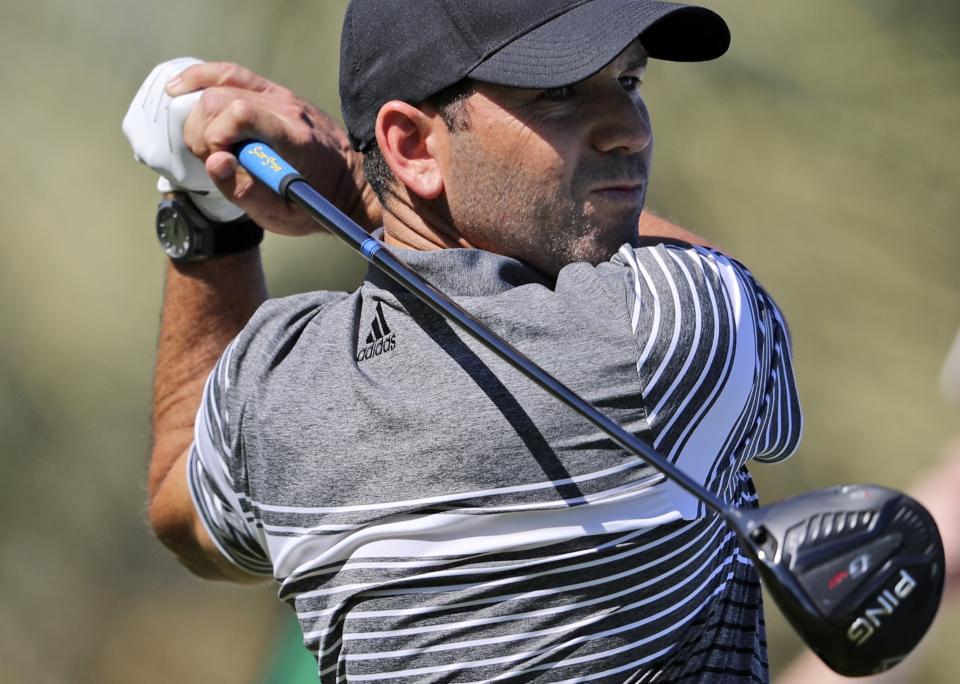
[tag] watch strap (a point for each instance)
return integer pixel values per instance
(235, 236)
(211, 238)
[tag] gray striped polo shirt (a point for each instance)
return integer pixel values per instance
(431, 515)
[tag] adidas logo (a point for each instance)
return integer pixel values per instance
(380, 340)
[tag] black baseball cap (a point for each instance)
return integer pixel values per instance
(410, 50)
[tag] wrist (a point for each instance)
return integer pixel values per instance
(225, 270)
(187, 235)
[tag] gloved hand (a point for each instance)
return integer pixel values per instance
(154, 126)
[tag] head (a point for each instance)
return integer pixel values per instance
(537, 143)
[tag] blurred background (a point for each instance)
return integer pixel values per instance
(823, 151)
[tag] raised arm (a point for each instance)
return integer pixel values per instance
(207, 303)
(655, 228)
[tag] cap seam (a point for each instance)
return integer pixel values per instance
(515, 36)
(458, 20)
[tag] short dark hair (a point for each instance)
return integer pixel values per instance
(451, 101)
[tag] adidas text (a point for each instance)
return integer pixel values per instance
(380, 340)
(377, 348)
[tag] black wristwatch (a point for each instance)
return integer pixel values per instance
(187, 235)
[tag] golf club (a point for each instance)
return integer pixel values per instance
(858, 570)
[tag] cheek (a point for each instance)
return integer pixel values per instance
(510, 163)
(529, 155)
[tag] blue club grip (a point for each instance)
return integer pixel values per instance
(267, 166)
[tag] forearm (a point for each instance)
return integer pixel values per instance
(656, 228)
(205, 306)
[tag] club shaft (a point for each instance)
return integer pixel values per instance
(270, 168)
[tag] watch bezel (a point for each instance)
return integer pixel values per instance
(201, 237)
(180, 210)
(169, 212)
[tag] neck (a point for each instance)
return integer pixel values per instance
(420, 225)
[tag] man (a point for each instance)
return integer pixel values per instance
(429, 513)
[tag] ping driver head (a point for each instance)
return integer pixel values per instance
(858, 571)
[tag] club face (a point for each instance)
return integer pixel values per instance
(857, 570)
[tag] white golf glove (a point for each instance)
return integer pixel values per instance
(154, 127)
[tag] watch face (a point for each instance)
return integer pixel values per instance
(173, 231)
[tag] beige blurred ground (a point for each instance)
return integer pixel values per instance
(822, 151)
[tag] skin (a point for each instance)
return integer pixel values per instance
(578, 194)
(236, 105)
(548, 177)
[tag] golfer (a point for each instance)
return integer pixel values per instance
(429, 513)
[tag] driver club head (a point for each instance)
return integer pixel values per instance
(858, 571)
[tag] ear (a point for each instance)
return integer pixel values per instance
(409, 141)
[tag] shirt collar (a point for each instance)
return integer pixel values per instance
(460, 272)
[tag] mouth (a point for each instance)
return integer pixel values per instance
(626, 191)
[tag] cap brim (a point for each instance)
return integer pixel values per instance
(579, 43)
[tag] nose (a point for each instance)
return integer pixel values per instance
(622, 123)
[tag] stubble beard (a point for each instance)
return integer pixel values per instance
(507, 210)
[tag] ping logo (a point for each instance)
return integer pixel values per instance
(380, 339)
(887, 601)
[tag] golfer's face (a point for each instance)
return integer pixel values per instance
(554, 176)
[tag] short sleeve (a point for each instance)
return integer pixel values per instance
(781, 420)
(221, 468)
(217, 476)
(713, 361)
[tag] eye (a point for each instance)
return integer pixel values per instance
(557, 94)
(631, 82)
